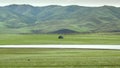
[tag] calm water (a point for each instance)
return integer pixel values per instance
(63, 46)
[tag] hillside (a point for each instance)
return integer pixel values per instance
(59, 19)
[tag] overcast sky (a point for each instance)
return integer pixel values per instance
(62, 2)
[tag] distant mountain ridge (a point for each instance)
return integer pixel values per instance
(59, 19)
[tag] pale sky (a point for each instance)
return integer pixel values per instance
(62, 2)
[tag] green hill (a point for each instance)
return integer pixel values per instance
(59, 19)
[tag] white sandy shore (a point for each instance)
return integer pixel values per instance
(64, 46)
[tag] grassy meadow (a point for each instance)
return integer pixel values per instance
(59, 58)
(53, 39)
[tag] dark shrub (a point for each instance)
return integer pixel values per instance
(60, 37)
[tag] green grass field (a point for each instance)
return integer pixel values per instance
(52, 39)
(59, 58)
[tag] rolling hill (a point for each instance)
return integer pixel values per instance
(58, 19)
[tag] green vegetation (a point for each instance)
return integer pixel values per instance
(58, 19)
(59, 58)
(53, 39)
(18, 20)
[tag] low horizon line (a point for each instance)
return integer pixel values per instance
(57, 5)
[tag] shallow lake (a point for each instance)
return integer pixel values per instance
(63, 46)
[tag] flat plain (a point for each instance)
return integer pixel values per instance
(59, 58)
(36, 39)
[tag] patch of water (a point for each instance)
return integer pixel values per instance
(64, 46)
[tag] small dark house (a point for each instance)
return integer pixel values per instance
(60, 37)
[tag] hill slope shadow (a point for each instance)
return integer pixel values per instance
(64, 31)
